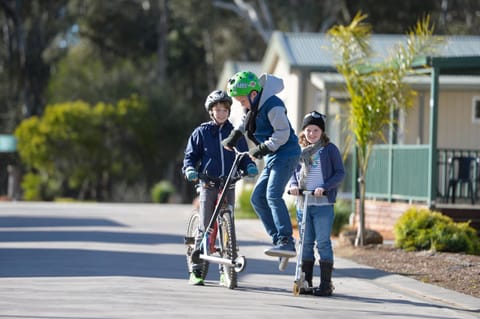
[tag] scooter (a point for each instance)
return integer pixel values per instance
(299, 283)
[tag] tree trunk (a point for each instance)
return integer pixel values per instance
(162, 41)
(360, 239)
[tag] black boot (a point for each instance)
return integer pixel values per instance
(326, 287)
(307, 269)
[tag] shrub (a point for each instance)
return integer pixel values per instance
(422, 229)
(86, 149)
(161, 191)
(32, 187)
(244, 208)
(37, 187)
(342, 210)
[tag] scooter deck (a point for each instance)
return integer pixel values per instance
(288, 254)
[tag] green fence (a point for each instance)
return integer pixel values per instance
(398, 172)
(402, 172)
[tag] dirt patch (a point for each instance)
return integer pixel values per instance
(454, 271)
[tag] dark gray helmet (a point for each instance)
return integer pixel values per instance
(217, 96)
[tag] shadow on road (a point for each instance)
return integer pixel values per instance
(35, 221)
(39, 262)
(89, 236)
(157, 262)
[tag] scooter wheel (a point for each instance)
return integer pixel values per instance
(296, 289)
(240, 263)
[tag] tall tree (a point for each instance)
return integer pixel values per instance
(168, 52)
(376, 90)
(28, 29)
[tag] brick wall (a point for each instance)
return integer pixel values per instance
(382, 216)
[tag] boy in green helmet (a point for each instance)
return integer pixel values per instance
(267, 125)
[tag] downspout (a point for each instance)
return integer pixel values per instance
(390, 155)
(432, 150)
(301, 99)
(421, 116)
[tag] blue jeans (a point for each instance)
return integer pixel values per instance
(208, 201)
(318, 227)
(267, 198)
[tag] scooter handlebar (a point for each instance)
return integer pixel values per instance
(307, 192)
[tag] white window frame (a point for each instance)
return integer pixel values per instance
(475, 104)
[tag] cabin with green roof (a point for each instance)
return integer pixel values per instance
(419, 164)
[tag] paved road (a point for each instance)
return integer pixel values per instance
(114, 261)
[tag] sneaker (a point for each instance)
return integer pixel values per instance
(284, 248)
(195, 279)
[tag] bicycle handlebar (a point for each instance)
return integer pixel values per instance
(238, 153)
(220, 181)
(208, 178)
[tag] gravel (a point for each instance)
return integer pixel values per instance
(454, 271)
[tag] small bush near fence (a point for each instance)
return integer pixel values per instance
(162, 191)
(244, 208)
(342, 209)
(422, 229)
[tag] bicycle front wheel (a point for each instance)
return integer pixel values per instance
(228, 247)
(190, 238)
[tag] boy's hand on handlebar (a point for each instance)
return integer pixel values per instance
(232, 139)
(191, 174)
(259, 151)
(252, 170)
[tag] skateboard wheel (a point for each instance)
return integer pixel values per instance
(283, 263)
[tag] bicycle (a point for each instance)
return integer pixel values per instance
(219, 242)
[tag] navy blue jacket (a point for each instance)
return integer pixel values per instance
(332, 169)
(205, 151)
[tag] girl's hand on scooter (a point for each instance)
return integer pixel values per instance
(294, 191)
(318, 192)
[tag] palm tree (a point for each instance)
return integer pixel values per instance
(376, 90)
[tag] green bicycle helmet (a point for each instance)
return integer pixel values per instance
(242, 83)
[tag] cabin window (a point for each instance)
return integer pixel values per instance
(476, 109)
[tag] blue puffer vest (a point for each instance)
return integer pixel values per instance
(264, 130)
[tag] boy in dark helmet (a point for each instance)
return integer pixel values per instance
(267, 125)
(205, 153)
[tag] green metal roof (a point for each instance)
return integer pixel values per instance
(311, 50)
(463, 65)
(418, 82)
